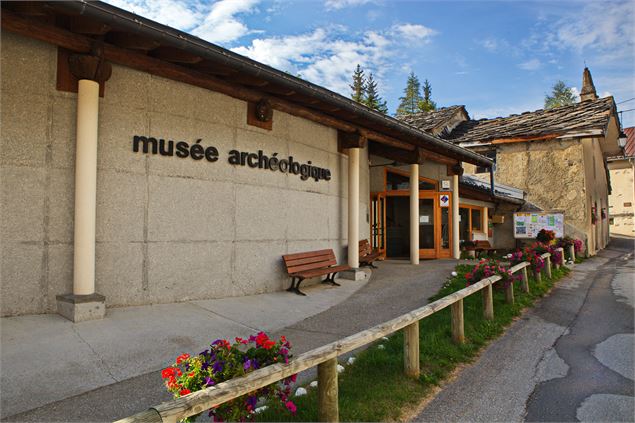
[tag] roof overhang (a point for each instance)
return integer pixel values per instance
(139, 43)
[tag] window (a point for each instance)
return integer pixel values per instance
(477, 221)
(491, 154)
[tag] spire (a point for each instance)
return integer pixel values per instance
(588, 89)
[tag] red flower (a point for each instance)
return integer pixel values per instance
(166, 373)
(184, 392)
(191, 374)
(182, 358)
(291, 407)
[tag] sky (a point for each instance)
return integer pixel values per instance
(495, 57)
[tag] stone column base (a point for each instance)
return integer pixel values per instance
(352, 275)
(79, 308)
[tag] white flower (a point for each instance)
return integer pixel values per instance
(351, 360)
(340, 368)
(381, 347)
(261, 409)
(509, 256)
(313, 384)
(385, 338)
(300, 391)
(454, 273)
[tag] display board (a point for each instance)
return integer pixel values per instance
(528, 224)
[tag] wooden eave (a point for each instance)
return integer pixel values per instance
(59, 24)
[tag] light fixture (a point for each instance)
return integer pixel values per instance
(622, 140)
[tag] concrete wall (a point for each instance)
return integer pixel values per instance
(622, 193)
(168, 229)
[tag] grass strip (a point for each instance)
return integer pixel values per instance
(375, 388)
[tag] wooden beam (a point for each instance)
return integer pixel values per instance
(396, 154)
(247, 80)
(350, 140)
(86, 26)
(525, 138)
(385, 139)
(175, 55)
(133, 42)
(439, 158)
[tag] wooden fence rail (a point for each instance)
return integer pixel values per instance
(325, 357)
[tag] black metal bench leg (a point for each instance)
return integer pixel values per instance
(295, 286)
(331, 279)
(373, 266)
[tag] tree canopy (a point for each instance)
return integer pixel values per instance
(412, 97)
(561, 95)
(365, 91)
(427, 105)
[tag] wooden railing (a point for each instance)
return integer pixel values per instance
(325, 357)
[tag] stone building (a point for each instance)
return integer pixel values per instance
(622, 197)
(557, 156)
(143, 165)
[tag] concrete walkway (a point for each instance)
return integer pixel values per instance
(54, 370)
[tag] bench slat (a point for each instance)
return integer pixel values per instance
(314, 259)
(294, 256)
(311, 266)
(323, 271)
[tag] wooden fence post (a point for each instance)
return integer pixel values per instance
(548, 267)
(411, 350)
(572, 253)
(488, 303)
(458, 329)
(328, 407)
(538, 276)
(509, 293)
(525, 280)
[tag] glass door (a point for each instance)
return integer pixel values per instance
(427, 228)
(378, 222)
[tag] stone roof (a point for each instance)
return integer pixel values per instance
(427, 121)
(593, 114)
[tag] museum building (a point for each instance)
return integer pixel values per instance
(142, 165)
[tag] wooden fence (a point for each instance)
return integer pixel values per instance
(325, 357)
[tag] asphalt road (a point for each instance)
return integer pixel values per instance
(568, 359)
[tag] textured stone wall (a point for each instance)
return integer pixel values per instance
(552, 174)
(622, 186)
(168, 229)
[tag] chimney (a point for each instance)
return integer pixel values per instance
(588, 89)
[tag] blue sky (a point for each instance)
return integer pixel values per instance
(496, 58)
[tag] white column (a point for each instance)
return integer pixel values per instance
(455, 217)
(353, 207)
(85, 187)
(414, 214)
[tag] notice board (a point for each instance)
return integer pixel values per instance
(528, 224)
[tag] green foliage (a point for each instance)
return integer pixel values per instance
(412, 99)
(358, 86)
(366, 92)
(561, 95)
(375, 388)
(372, 99)
(427, 105)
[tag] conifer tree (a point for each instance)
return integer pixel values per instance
(427, 105)
(372, 98)
(412, 97)
(359, 85)
(561, 95)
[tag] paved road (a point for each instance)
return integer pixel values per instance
(569, 359)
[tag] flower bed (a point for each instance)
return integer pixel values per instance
(224, 361)
(486, 268)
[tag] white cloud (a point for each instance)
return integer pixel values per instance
(530, 65)
(217, 22)
(178, 14)
(221, 24)
(341, 4)
(328, 56)
(413, 32)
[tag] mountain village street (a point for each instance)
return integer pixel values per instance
(571, 357)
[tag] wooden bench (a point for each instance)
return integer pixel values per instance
(311, 264)
(366, 254)
(483, 246)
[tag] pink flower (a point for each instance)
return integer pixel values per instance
(291, 407)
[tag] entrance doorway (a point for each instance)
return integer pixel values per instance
(390, 218)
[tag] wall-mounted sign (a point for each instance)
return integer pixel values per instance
(196, 151)
(444, 200)
(445, 184)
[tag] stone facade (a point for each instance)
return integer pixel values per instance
(168, 229)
